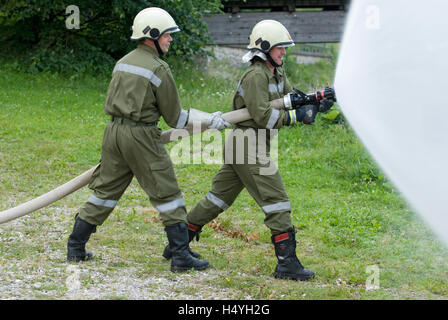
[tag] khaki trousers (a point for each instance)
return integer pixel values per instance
(130, 150)
(265, 186)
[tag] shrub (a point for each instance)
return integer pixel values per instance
(35, 31)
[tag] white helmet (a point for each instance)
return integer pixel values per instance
(151, 23)
(268, 34)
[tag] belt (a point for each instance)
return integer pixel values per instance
(131, 122)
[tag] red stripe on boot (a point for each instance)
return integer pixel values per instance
(192, 227)
(281, 237)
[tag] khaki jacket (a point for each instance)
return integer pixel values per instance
(257, 87)
(142, 89)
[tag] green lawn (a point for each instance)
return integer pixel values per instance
(349, 218)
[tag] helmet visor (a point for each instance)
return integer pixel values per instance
(171, 30)
(284, 44)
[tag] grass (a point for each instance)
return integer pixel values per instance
(347, 214)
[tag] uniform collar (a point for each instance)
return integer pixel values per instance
(148, 49)
(278, 74)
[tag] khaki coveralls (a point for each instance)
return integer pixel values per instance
(141, 90)
(257, 87)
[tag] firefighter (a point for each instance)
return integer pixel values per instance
(141, 91)
(263, 81)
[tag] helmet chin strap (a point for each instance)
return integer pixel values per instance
(159, 50)
(274, 64)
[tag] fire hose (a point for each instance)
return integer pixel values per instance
(166, 137)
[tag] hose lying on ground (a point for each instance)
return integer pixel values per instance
(83, 179)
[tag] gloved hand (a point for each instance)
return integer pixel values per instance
(298, 98)
(294, 100)
(305, 114)
(325, 104)
(329, 93)
(218, 122)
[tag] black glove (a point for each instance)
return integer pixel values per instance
(298, 99)
(305, 114)
(329, 93)
(325, 104)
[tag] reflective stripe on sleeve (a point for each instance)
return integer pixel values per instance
(171, 205)
(216, 201)
(275, 114)
(101, 202)
(148, 74)
(182, 121)
(292, 116)
(273, 87)
(281, 86)
(240, 89)
(276, 207)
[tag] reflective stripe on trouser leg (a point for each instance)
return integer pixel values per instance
(206, 210)
(96, 210)
(171, 209)
(172, 205)
(226, 186)
(278, 216)
(102, 202)
(279, 206)
(269, 193)
(216, 201)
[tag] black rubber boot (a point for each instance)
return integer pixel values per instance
(76, 245)
(178, 242)
(289, 266)
(193, 231)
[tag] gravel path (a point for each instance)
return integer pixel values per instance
(33, 266)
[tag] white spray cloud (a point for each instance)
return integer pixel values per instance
(390, 80)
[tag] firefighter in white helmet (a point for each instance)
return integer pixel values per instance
(265, 80)
(141, 91)
(152, 23)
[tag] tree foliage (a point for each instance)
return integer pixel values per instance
(37, 29)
